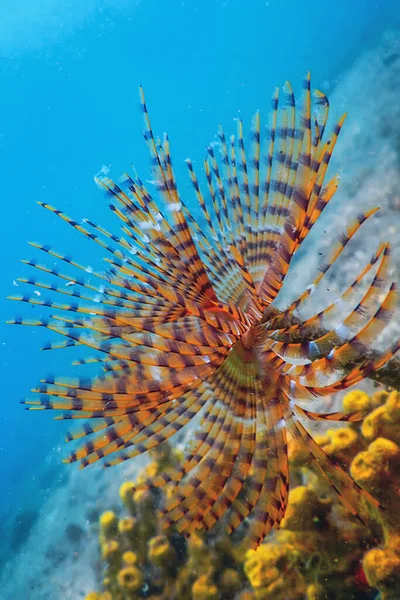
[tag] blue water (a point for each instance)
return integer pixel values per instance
(68, 105)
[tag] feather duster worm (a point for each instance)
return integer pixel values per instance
(184, 320)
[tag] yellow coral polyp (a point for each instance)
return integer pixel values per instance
(161, 553)
(304, 509)
(315, 591)
(109, 549)
(263, 566)
(106, 581)
(144, 501)
(126, 492)
(355, 401)
(385, 451)
(393, 406)
(373, 467)
(382, 568)
(343, 439)
(230, 580)
(384, 420)
(129, 558)
(126, 525)
(378, 398)
(204, 589)
(365, 469)
(108, 524)
(130, 578)
(197, 547)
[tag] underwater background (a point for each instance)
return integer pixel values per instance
(69, 109)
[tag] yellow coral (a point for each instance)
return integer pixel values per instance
(374, 466)
(108, 525)
(393, 406)
(382, 569)
(311, 557)
(149, 471)
(92, 596)
(230, 581)
(126, 492)
(145, 502)
(130, 578)
(197, 548)
(378, 398)
(315, 591)
(343, 439)
(384, 420)
(129, 558)
(203, 589)
(109, 550)
(365, 469)
(161, 553)
(385, 451)
(264, 564)
(127, 527)
(345, 442)
(355, 401)
(304, 509)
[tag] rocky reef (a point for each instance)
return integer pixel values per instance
(321, 551)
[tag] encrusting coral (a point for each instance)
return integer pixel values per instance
(320, 552)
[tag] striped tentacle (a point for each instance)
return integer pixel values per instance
(272, 502)
(326, 317)
(325, 344)
(274, 276)
(342, 243)
(229, 479)
(253, 485)
(202, 485)
(213, 418)
(234, 480)
(298, 392)
(160, 429)
(319, 167)
(215, 432)
(151, 427)
(354, 417)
